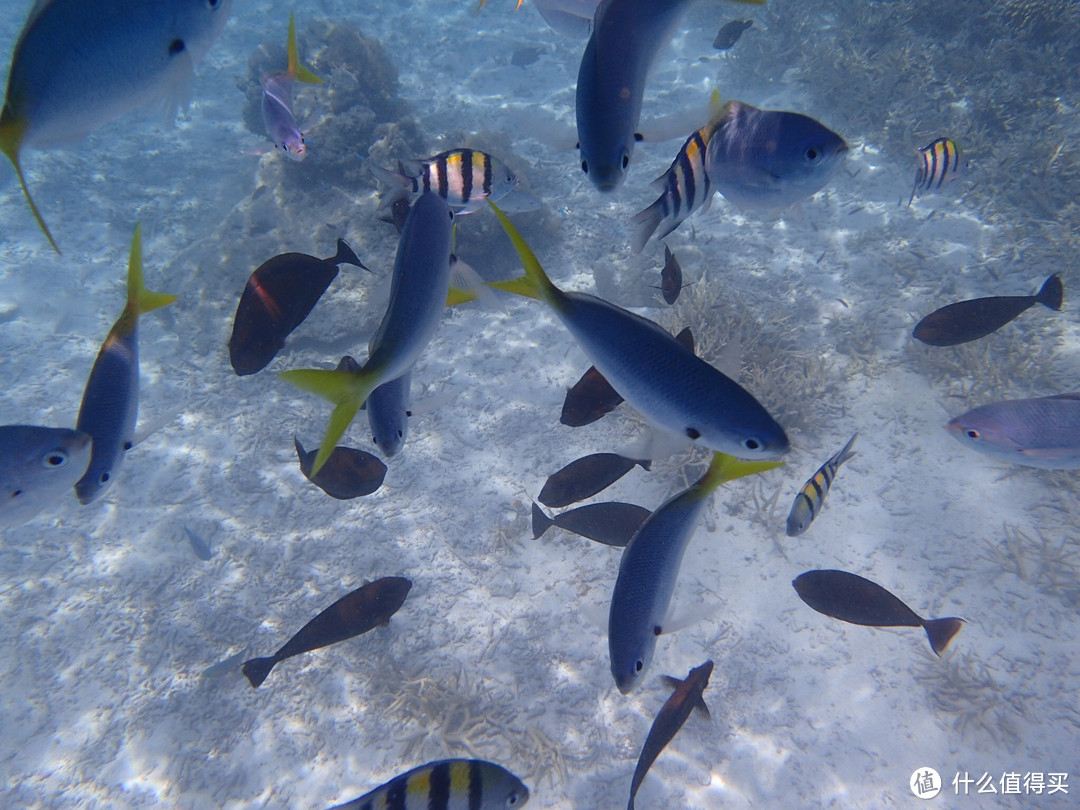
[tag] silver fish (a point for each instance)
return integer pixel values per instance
(462, 177)
(388, 414)
(808, 502)
(222, 668)
(277, 100)
(684, 188)
(38, 465)
(449, 784)
(939, 163)
(1043, 432)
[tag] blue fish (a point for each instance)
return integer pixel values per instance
(38, 465)
(388, 414)
(650, 566)
(418, 293)
(277, 100)
(78, 65)
(1042, 432)
(110, 403)
(768, 159)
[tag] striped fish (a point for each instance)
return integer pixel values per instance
(812, 495)
(462, 177)
(939, 163)
(449, 784)
(684, 188)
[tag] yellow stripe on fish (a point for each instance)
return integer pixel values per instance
(939, 163)
(808, 502)
(448, 784)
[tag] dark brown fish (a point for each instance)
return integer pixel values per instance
(611, 523)
(729, 34)
(671, 278)
(852, 598)
(671, 717)
(348, 473)
(278, 297)
(592, 397)
(584, 477)
(965, 321)
(355, 613)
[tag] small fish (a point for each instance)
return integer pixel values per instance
(278, 297)
(110, 403)
(729, 34)
(684, 188)
(611, 523)
(357, 612)
(671, 278)
(939, 163)
(388, 414)
(672, 388)
(418, 292)
(449, 784)
(277, 100)
(808, 502)
(78, 65)
(688, 695)
(768, 159)
(199, 546)
(853, 599)
(650, 566)
(462, 177)
(584, 477)
(38, 465)
(223, 668)
(1043, 432)
(348, 473)
(523, 57)
(965, 321)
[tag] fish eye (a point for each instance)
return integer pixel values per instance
(693, 433)
(971, 433)
(16, 493)
(812, 154)
(512, 800)
(625, 161)
(752, 444)
(176, 46)
(57, 458)
(213, 3)
(639, 665)
(400, 435)
(374, 439)
(585, 166)
(104, 478)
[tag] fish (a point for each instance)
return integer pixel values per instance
(278, 296)
(672, 388)
(199, 546)
(348, 472)
(671, 278)
(729, 34)
(77, 66)
(650, 566)
(223, 668)
(808, 502)
(684, 188)
(611, 523)
(964, 321)
(110, 402)
(939, 163)
(687, 697)
(584, 477)
(767, 159)
(277, 100)
(369, 606)
(449, 784)
(38, 465)
(462, 177)
(571, 18)
(1042, 432)
(592, 396)
(418, 292)
(851, 598)
(388, 414)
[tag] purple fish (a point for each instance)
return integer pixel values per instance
(277, 101)
(1042, 432)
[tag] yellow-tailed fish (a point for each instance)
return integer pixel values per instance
(418, 294)
(650, 567)
(77, 65)
(277, 100)
(939, 163)
(670, 386)
(38, 467)
(110, 403)
(448, 784)
(810, 498)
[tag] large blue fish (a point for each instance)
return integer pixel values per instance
(768, 159)
(675, 390)
(277, 100)
(110, 403)
(38, 467)
(418, 293)
(650, 566)
(1043, 432)
(388, 414)
(79, 64)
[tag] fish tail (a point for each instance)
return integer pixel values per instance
(297, 69)
(257, 669)
(1052, 293)
(540, 522)
(11, 138)
(645, 224)
(347, 390)
(141, 299)
(535, 283)
(345, 255)
(847, 452)
(941, 632)
(724, 468)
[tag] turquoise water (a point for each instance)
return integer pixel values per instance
(500, 651)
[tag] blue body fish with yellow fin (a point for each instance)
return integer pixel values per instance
(448, 784)
(277, 100)
(38, 467)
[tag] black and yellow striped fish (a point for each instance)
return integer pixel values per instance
(449, 784)
(812, 495)
(939, 163)
(462, 177)
(685, 187)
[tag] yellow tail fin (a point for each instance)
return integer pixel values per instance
(11, 138)
(535, 283)
(140, 298)
(345, 389)
(297, 69)
(724, 468)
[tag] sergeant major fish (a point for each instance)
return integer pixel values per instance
(110, 403)
(1042, 432)
(77, 65)
(462, 177)
(810, 498)
(650, 566)
(277, 99)
(38, 465)
(449, 784)
(939, 163)
(674, 389)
